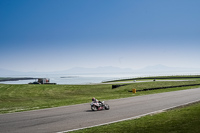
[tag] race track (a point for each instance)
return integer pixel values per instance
(79, 116)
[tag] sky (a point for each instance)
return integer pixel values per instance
(54, 35)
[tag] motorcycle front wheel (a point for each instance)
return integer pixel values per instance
(93, 108)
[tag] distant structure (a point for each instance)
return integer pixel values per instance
(42, 81)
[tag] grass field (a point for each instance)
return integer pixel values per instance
(14, 98)
(177, 77)
(181, 120)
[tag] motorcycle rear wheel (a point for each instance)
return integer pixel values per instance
(107, 107)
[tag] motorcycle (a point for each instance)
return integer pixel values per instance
(99, 106)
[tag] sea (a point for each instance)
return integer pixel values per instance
(92, 78)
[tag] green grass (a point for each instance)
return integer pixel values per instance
(14, 98)
(181, 120)
(27, 97)
(157, 84)
(177, 77)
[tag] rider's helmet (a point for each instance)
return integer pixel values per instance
(93, 99)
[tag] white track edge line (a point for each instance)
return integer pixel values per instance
(135, 117)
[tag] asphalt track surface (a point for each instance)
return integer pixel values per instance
(62, 119)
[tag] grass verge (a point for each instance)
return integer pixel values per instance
(177, 77)
(180, 120)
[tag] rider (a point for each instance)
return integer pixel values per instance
(94, 100)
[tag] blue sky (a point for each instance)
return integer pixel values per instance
(53, 35)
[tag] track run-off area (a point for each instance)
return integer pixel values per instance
(68, 118)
